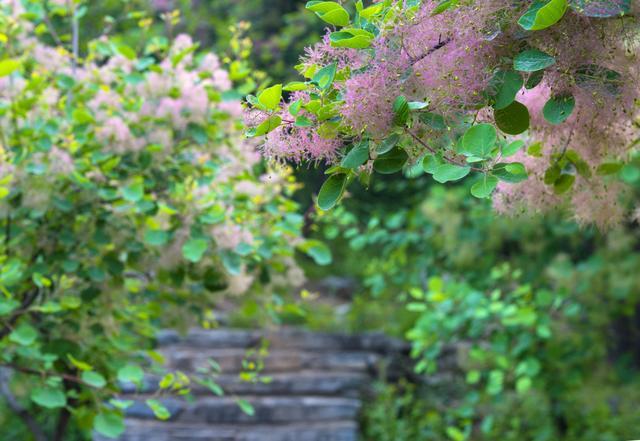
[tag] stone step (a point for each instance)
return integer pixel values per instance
(267, 410)
(309, 382)
(159, 431)
(189, 360)
(283, 338)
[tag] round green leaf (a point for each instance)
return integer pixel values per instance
(8, 66)
(484, 187)
(317, 250)
(48, 397)
(193, 250)
(506, 84)
(159, 410)
(513, 119)
(563, 184)
(109, 424)
(533, 60)
(480, 140)
(93, 379)
(270, 97)
(400, 111)
(391, 162)
(449, 172)
(24, 335)
(331, 191)
(357, 156)
(559, 108)
(331, 12)
(512, 148)
(130, 373)
(543, 14)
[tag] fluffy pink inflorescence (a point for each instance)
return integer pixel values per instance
(368, 100)
(298, 144)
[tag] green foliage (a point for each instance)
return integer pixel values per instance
(118, 218)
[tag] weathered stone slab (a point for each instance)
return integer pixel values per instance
(319, 383)
(267, 410)
(278, 360)
(158, 431)
(285, 338)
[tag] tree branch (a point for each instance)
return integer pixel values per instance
(27, 301)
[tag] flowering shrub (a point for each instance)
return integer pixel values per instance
(128, 195)
(537, 99)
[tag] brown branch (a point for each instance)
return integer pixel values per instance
(27, 301)
(30, 371)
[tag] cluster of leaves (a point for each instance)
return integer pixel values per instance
(574, 321)
(129, 201)
(448, 144)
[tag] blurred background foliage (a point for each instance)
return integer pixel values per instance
(543, 316)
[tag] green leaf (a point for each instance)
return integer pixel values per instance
(430, 163)
(159, 410)
(331, 191)
(351, 38)
(563, 184)
(592, 76)
(130, 373)
(484, 187)
(534, 79)
(580, 164)
(93, 379)
(232, 262)
(391, 162)
(513, 119)
(450, 172)
(8, 66)
(193, 250)
(325, 76)
(317, 250)
(357, 156)
(533, 60)
(268, 125)
(512, 172)
(109, 424)
(609, 168)
(543, 14)
(134, 192)
(400, 111)
(126, 51)
(270, 97)
(24, 335)
(246, 407)
(7, 306)
(49, 397)
(331, 12)
(479, 140)
(512, 148)
(523, 385)
(559, 108)
(295, 86)
(156, 237)
(387, 144)
(303, 121)
(443, 6)
(505, 85)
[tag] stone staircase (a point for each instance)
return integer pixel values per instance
(316, 383)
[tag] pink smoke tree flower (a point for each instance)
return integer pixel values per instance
(536, 101)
